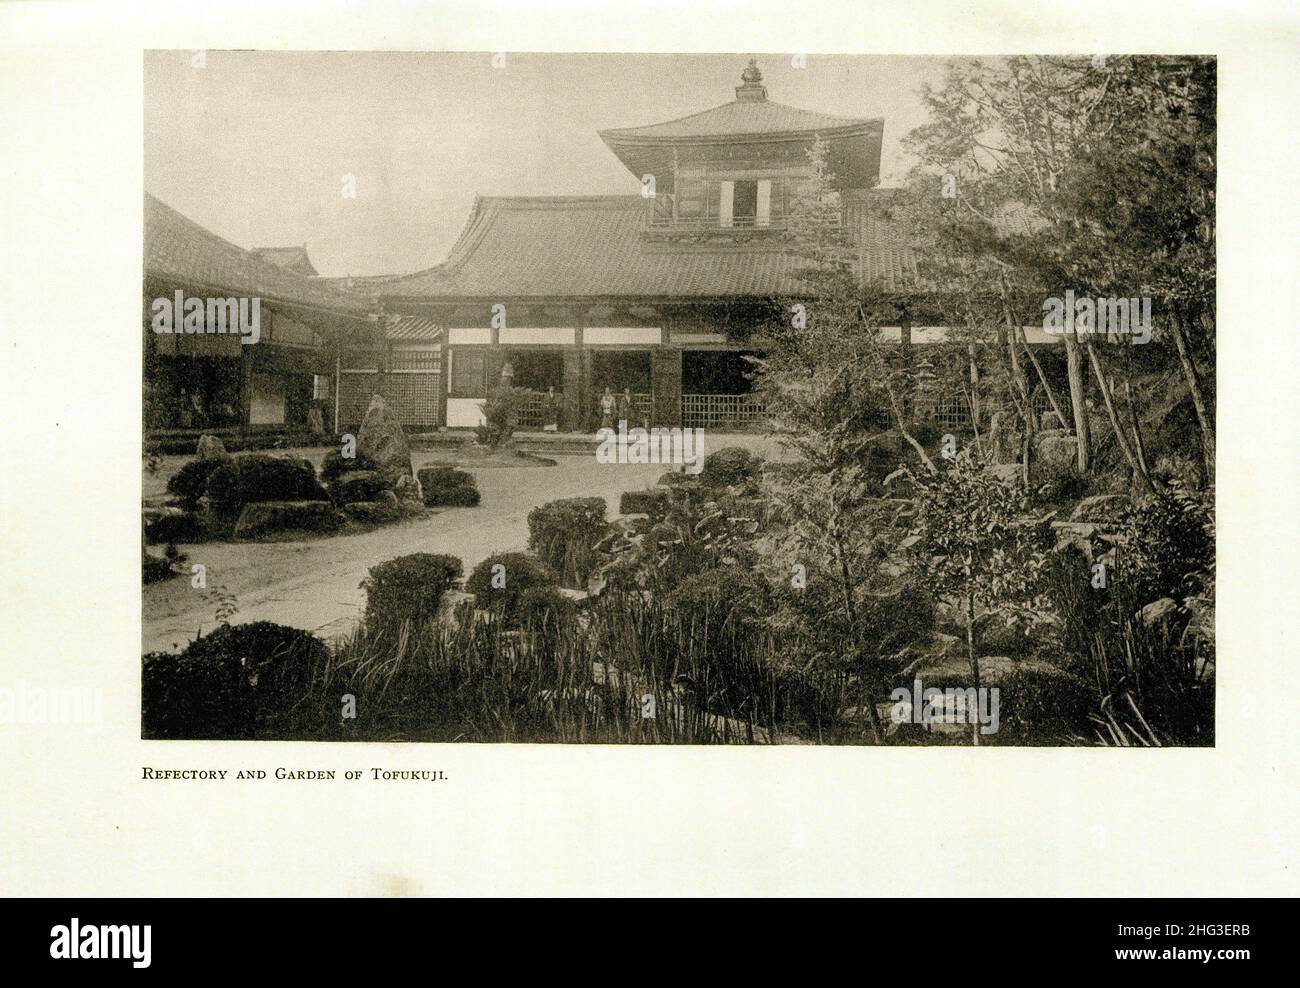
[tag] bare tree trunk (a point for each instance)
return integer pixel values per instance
(897, 409)
(1193, 378)
(1082, 430)
(1138, 446)
(1120, 440)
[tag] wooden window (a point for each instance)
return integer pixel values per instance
(467, 372)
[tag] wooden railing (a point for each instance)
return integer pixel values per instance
(722, 411)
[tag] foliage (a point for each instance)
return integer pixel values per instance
(564, 535)
(253, 477)
(730, 466)
(508, 584)
(190, 482)
(359, 485)
(409, 588)
(238, 682)
(448, 487)
(1168, 546)
(184, 527)
(501, 412)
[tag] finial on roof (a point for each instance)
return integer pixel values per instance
(751, 87)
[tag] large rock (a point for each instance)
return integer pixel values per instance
(212, 448)
(1008, 473)
(1157, 612)
(270, 517)
(1057, 451)
(383, 439)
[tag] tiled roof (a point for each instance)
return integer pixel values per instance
(289, 258)
(594, 246)
(412, 329)
(178, 248)
(739, 118)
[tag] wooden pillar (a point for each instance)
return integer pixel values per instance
(666, 385)
(245, 387)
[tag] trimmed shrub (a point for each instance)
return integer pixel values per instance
(444, 477)
(372, 512)
(255, 477)
(190, 482)
(238, 682)
(186, 527)
(359, 485)
(520, 574)
(335, 464)
(154, 569)
(409, 588)
(675, 479)
(564, 535)
(270, 517)
(729, 466)
(449, 488)
(451, 497)
(650, 502)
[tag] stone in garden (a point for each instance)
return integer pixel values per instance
(1157, 611)
(315, 421)
(1057, 451)
(1007, 473)
(373, 512)
(1051, 420)
(383, 439)
(212, 448)
(270, 517)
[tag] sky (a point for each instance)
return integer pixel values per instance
(255, 146)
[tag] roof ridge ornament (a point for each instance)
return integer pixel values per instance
(751, 88)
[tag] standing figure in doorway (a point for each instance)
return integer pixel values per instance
(607, 407)
(550, 411)
(625, 406)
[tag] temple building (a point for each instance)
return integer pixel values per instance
(661, 292)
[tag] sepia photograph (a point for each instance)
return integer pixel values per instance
(666, 398)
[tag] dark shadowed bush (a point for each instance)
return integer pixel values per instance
(190, 482)
(335, 464)
(564, 535)
(729, 466)
(447, 487)
(650, 502)
(238, 682)
(186, 527)
(451, 497)
(409, 588)
(272, 517)
(445, 477)
(520, 573)
(359, 485)
(258, 477)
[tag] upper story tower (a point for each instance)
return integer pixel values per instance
(737, 167)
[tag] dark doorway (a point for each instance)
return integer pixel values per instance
(537, 370)
(744, 204)
(619, 369)
(716, 372)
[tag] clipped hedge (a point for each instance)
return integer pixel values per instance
(190, 482)
(359, 485)
(270, 517)
(238, 682)
(184, 527)
(653, 502)
(255, 477)
(564, 534)
(447, 487)
(522, 577)
(335, 464)
(409, 588)
(729, 466)
(451, 497)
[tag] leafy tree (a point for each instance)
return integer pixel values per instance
(977, 547)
